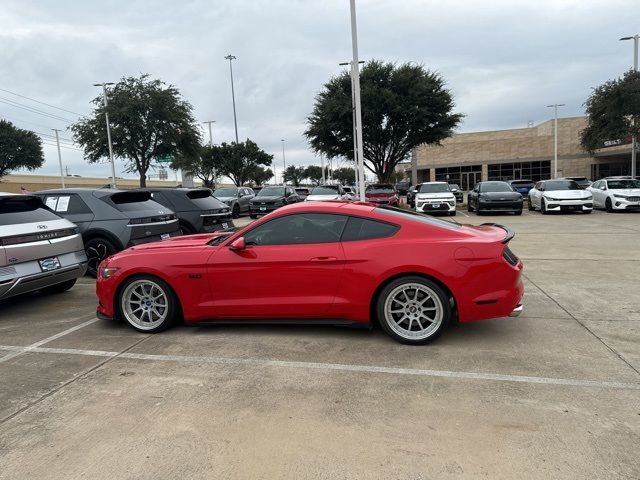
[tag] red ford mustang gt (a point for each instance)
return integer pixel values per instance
(324, 262)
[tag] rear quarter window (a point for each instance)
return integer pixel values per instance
(358, 228)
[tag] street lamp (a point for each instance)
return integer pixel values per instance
(106, 116)
(59, 156)
(355, 69)
(284, 162)
(635, 39)
(555, 138)
(353, 116)
(215, 173)
(233, 95)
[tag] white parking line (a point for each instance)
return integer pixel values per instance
(34, 346)
(332, 366)
(460, 211)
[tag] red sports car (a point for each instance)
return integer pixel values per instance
(320, 262)
(382, 194)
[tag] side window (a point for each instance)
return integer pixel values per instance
(298, 229)
(597, 184)
(364, 229)
(66, 204)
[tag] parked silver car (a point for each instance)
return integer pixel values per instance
(38, 249)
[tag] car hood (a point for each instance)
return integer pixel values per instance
(182, 241)
(566, 194)
(322, 197)
(633, 192)
(226, 199)
(266, 198)
(501, 195)
(443, 195)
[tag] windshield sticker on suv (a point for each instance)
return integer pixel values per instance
(63, 204)
(51, 202)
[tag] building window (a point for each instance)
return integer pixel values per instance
(534, 171)
(601, 170)
(466, 176)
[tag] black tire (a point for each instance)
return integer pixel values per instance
(97, 249)
(469, 206)
(452, 214)
(530, 206)
(186, 229)
(252, 216)
(59, 287)
(518, 212)
(235, 211)
(543, 207)
(171, 304)
(608, 206)
(439, 300)
(587, 212)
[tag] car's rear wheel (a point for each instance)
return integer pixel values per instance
(518, 212)
(97, 249)
(413, 310)
(235, 212)
(147, 304)
(59, 287)
(252, 216)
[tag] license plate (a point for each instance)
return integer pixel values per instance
(262, 209)
(225, 225)
(164, 236)
(48, 264)
(435, 205)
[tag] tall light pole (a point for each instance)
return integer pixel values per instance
(634, 141)
(215, 173)
(555, 138)
(106, 116)
(233, 94)
(59, 156)
(284, 162)
(322, 168)
(353, 117)
(355, 72)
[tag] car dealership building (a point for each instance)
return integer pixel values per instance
(520, 153)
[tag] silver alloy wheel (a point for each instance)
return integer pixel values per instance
(144, 304)
(413, 311)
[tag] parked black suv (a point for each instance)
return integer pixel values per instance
(403, 187)
(270, 199)
(111, 220)
(197, 210)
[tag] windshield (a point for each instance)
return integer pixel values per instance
(561, 185)
(203, 200)
(380, 189)
(434, 188)
(620, 184)
(271, 192)
(495, 187)
(325, 190)
(454, 186)
(226, 192)
(21, 209)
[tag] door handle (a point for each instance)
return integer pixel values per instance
(324, 259)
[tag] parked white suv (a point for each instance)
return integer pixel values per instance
(433, 197)
(38, 249)
(616, 194)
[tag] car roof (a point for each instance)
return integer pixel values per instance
(97, 192)
(330, 206)
(434, 183)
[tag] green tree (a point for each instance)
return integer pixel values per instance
(205, 163)
(294, 174)
(260, 175)
(148, 119)
(18, 149)
(613, 112)
(345, 175)
(402, 107)
(314, 174)
(240, 160)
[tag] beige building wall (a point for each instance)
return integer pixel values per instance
(514, 145)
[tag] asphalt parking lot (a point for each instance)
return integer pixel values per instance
(553, 394)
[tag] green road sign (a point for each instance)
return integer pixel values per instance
(164, 159)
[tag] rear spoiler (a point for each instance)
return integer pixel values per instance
(510, 233)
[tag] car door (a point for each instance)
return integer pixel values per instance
(291, 268)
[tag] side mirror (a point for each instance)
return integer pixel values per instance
(238, 244)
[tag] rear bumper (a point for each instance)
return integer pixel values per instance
(153, 238)
(36, 281)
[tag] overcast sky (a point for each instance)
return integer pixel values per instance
(504, 60)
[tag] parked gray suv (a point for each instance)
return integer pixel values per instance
(111, 220)
(38, 249)
(197, 210)
(238, 198)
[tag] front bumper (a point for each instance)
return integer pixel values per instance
(432, 206)
(569, 205)
(500, 206)
(263, 209)
(517, 311)
(625, 203)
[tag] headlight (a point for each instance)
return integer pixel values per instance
(107, 272)
(552, 199)
(619, 196)
(590, 197)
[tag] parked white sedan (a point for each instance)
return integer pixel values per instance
(327, 192)
(560, 196)
(616, 194)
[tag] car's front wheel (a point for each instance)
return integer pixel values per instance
(608, 206)
(543, 206)
(147, 304)
(413, 310)
(235, 212)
